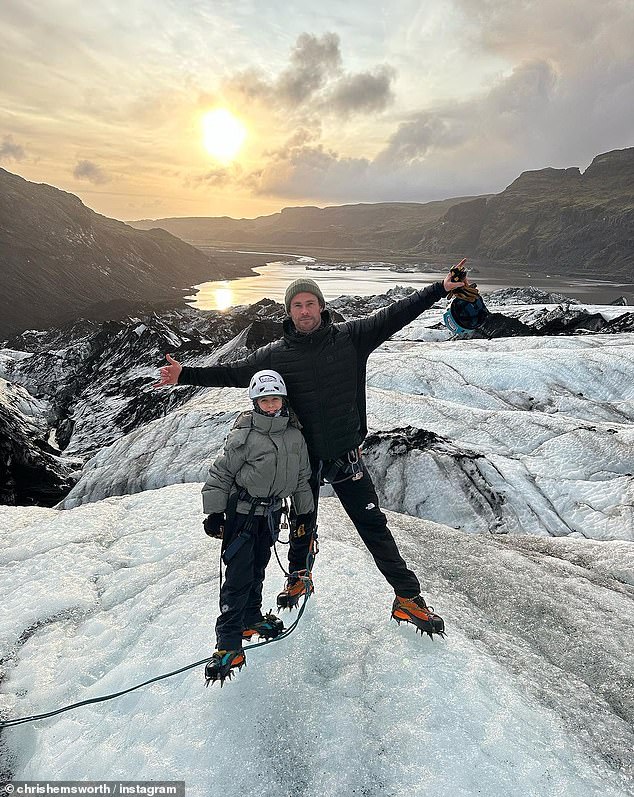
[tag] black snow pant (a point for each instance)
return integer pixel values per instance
(241, 591)
(361, 503)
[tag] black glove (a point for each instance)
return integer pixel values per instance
(214, 525)
(303, 525)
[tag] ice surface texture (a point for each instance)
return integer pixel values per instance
(531, 692)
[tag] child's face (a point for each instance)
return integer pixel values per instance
(270, 404)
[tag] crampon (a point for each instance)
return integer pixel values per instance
(223, 664)
(417, 612)
(269, 627)
(297, 585)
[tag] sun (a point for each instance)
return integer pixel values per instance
(223, 134)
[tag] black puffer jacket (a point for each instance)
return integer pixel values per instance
(325, 371)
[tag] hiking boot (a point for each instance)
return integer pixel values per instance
(416, 611)
(222, 665)
(268, 627)
(297, 585)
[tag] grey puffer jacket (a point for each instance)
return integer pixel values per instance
(267, 457)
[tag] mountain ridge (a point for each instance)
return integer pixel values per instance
(580, 222)
(380, 226)
(59, 260)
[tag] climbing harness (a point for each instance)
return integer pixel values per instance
(272, 507)
(350, 465)
(287, 632)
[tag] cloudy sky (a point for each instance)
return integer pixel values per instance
(362, 101)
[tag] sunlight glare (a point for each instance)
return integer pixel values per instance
(223, 134)
(223, 298)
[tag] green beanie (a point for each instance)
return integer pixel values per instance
(303, 286)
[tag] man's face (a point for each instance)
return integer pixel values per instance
(305, 312)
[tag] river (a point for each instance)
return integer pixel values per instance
(271, 281)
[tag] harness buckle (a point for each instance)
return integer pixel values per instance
(354, 462)
(284, 514)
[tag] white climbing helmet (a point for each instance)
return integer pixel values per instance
(267, 383)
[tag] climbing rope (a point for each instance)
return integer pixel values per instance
(287, 631)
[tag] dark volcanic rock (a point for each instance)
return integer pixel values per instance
(359, 306)
(526, 295)
(408, 438)
(98, 378)
(566, 320)
(498, 325)
(94, 381)
(30, 473)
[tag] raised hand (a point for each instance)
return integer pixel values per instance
(169, 373)
(468, 292)
(457, 277)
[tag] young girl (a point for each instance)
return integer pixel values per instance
(265, 460)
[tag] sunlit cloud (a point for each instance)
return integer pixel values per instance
(533, 117)
(216, 177)
(360, 102)
(511, 107)
(315, 81)
(364, 92)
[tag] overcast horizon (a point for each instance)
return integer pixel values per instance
(159, 109)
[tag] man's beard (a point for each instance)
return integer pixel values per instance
(309, 331)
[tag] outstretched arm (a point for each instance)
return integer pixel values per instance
(236, 374)
(369, 333)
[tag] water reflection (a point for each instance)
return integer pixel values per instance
(271, 281)
(223, 296)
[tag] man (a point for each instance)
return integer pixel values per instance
(324, 367)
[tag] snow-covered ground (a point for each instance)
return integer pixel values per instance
(530, 694)
(537, 433)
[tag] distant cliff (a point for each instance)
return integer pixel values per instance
(381, 228)
(59, 260)
(551, 218)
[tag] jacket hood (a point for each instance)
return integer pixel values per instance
(263, 423)
(269, 424)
